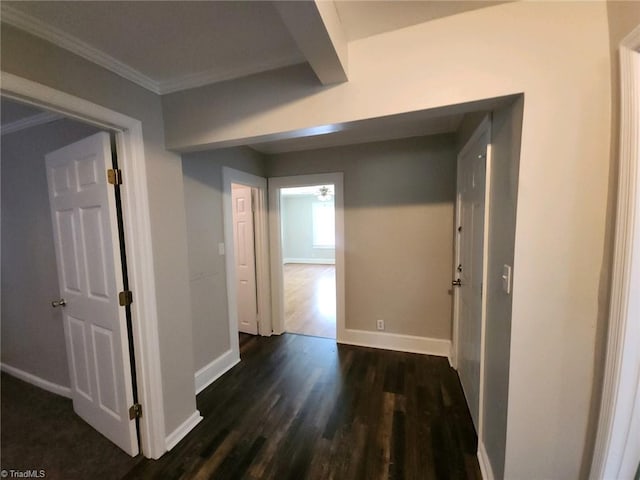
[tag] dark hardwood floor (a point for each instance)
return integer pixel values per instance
(300, 407)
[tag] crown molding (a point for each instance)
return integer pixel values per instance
(32, 25)
(31, 121)
(29, 24)
(215, 75)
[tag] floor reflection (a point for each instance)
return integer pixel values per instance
(310, 299)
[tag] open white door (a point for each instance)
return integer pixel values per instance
(245, 258)
(470, 268)
(84, 217)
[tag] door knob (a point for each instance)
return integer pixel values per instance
(59, 303)
(456, 283)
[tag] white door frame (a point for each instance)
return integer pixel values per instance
(618, 434)
(263, 283)
(137, 226)
(277, 281)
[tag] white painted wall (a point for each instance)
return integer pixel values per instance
(37, 60)
(563, 69)
(32, 332)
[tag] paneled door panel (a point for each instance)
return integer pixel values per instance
(470, 238)
(84, 218)
(245, 258)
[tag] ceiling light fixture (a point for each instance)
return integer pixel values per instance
(324, 193)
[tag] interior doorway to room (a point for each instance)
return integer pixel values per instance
(307, 227)
(243, 199)
(65, 209)
(246, 248)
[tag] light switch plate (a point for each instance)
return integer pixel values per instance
(221, 248)
(506, 279)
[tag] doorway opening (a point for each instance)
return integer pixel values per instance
(137, 226)
(243, 199)
(307, 217)
(64, 248)
(246, 256)
(307, 254)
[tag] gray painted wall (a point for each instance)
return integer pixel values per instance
(32, 331)
(40, 61)
(506, 131)
(205, 230)
(297, 229)
(399, 204)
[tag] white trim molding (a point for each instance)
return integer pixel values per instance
(215, 75)
(617, 449)
(485, 463)
(214, 370)
(179, 433)
(37, 381)
(137, 226)
(30, 121)
(310, 261)
(32, 25)
(399, 343)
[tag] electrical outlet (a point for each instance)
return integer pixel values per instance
(380, 324)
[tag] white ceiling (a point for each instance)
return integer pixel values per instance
(167, 46)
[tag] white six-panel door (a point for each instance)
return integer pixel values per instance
(84, 220)
(245, 258)
(470, 239)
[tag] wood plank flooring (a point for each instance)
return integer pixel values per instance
(310, 299)
(301, 407)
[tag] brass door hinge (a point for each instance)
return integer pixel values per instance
(114, 176)
(135, 411)
(125, 298)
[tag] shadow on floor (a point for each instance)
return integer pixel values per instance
(40, 431)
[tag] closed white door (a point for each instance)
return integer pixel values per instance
(84, 219)
(245, 258)
(470, 237)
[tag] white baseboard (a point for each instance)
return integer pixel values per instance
(485, 464)
(37, 381)
(311, 261)
(214, 370)
(179, 433)
(394, 341)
